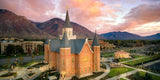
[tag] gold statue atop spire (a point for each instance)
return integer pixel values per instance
(67, 7)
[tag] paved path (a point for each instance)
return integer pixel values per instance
(104, 74)
(28, 58)
(123, 75)
(150, 63)
(131, 72)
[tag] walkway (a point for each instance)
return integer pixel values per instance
(130, 73)
(104, 74)
(150, 63)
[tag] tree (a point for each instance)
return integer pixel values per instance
(148, 76)
(19, 49)
(10, 50)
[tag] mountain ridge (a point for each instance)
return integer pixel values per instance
(129, 36)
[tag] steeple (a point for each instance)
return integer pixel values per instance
(65, 41)
(95, 40)
(67, 21)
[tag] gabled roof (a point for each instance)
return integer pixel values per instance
(76, 45)
(67, 23)
(95, 40)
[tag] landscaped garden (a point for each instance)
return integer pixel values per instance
(143, 76)
(133, 57)
(116, 71)
(140, 61)
(44, 75)
(108, 54)
(89, 77)
(39, 65)
(153, 68)
(122, 79)
(9, 74)
(26, 64)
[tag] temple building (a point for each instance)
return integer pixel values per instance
(74, 57)
(121, 54)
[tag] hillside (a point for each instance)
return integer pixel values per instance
(12, 25)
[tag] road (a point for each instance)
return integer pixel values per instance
(28, 58)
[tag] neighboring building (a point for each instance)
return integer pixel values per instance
(74, 57)
(121, 54)
(32, 45)
(103, 45)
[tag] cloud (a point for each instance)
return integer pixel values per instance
(142, 14)
(107, 15)
(33, 10)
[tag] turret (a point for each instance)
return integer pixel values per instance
(65, 55)
(96, 55)
(47, 49)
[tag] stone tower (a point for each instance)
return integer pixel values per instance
(65, 55)
(96, 55)
(68, 28)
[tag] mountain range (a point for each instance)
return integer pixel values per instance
(12, 25)
(129, 36)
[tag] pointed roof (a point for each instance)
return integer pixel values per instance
(65, 41)
(95, 40)
(67, 21)
(47, 40)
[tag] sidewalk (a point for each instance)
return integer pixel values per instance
(104, 74)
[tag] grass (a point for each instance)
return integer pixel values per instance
(26, 64)
(89, 77)
(9, 74)
(141, 76)
(39, 65)
(116, 71)
(108, 54)
(4, 66)
(133, 57)
(140, 61)
(122, 79)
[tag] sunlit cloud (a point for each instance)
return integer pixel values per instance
(103, 15)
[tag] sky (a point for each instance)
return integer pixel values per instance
(141, 17)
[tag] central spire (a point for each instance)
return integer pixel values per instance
(67, 21)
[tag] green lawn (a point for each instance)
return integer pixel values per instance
(108, 54)
(133, 57)
(25, 64)
(117, 71)
(88, 77)
(140, 61)
(122, 79)
(142, 76)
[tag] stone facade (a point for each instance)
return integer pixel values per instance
(68, 60)
(32, 45)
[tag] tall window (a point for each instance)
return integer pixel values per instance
(63, 62)
(72, 59)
